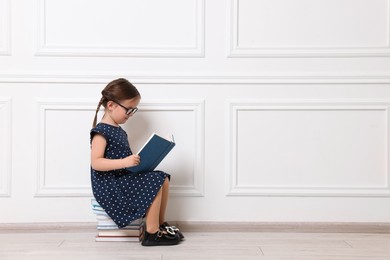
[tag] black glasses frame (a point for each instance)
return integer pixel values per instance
(129, 111)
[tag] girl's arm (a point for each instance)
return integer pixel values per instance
(99, 163)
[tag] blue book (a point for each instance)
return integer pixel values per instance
(152, 153)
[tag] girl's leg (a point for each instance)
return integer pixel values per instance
(164, 200)
(153, 213)
(153, 235)
(163, 205)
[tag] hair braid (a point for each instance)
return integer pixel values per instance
(97, 111)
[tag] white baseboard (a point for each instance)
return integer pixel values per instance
(47, 227)
(299, 227)
(206, 226)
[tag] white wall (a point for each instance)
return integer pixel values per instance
(280, 108)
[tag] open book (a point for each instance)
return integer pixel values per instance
(152, 153)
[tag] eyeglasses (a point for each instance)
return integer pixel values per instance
(129, 111)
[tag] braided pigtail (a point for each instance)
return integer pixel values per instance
(97, 111)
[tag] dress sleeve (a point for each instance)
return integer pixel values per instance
(97, 130)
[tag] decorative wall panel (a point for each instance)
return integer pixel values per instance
(121, 28)
(309, 148)
(65, 165)
(309, 28)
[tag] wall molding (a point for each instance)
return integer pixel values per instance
(233, 107)
(158, 78)
(5, 27)
(195, 50)
(234, 50)
(196, 106)
(6, 170)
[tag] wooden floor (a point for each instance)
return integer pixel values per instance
(35, 245)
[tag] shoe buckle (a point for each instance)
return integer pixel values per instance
(175, 229)
(170, 230)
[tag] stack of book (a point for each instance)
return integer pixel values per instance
(109, 231)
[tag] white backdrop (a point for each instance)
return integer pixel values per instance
(280, 108)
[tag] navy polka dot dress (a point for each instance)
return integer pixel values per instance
(125, 196)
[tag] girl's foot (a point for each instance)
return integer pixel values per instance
(160, 238)
(171, 230)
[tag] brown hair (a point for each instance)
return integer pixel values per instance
(117, 90)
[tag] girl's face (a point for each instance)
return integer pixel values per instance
(119, 112)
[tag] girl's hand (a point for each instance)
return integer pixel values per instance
(133, 160)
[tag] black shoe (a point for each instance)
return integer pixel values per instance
(171, 230)
(160, 239)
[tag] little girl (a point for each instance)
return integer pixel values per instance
(127, 196)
